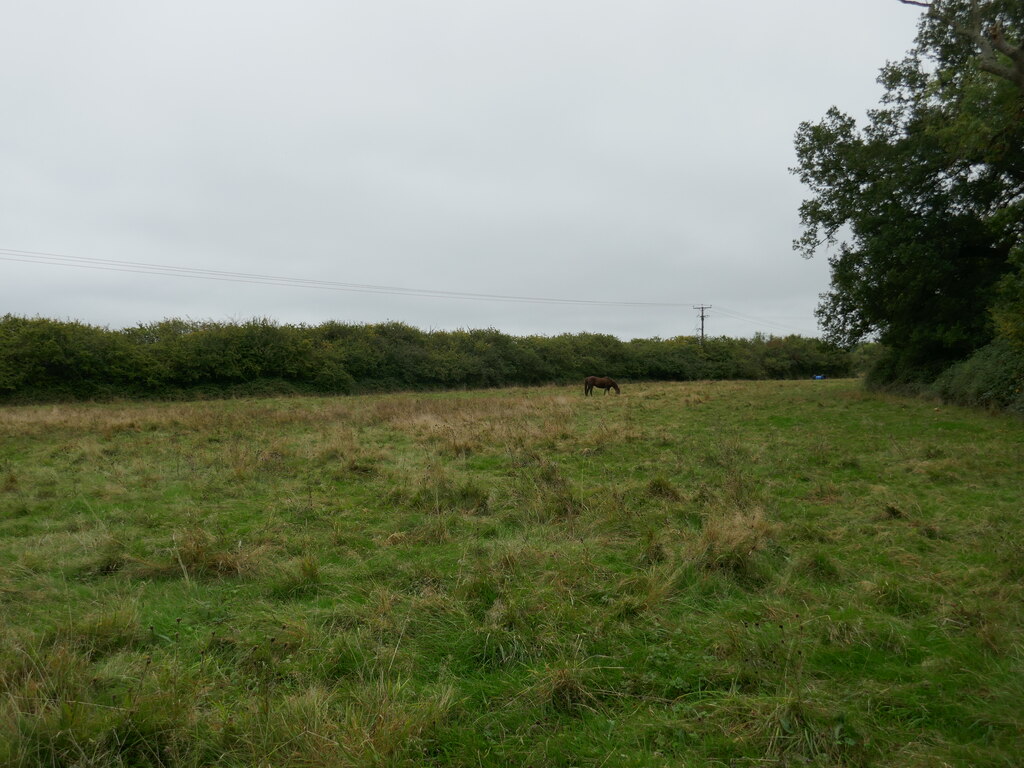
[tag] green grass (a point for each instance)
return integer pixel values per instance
(754, 574)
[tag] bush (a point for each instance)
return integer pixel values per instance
(50, 359)
(993, 377)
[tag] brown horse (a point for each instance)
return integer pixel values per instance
(601, 382)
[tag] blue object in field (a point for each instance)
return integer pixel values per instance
(819, 377)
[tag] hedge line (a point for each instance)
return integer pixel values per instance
(48, 360)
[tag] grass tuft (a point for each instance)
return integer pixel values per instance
(199, 554)
(298, 579)
(731, 541)
(660, 488)
(563, 690)
(819, 567)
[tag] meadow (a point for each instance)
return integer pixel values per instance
(703, 573)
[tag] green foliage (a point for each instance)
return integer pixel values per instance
(1008, 310)
(865, 356)
(924, 201)
(59, 359)
(43, 360)
(991, 378)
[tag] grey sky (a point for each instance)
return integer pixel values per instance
(594, 151)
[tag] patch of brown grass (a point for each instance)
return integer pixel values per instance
(730, 539)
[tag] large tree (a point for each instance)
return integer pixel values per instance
(924, 205)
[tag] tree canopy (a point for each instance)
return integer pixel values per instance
(922, 208)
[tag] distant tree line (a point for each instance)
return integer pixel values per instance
(48, 360)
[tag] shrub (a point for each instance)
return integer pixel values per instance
(993, 377)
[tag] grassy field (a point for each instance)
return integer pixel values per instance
(722, 574)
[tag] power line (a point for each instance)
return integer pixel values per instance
(113, 265)
(148, 268)
(747, 319)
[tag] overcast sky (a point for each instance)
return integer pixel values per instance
(627, 158)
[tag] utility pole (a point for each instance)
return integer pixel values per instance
(702, 307)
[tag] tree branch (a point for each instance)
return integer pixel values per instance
(989, 42)
(1014, 53)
